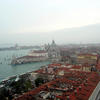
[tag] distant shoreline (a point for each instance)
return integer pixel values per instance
(19, 48)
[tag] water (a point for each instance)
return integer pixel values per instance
(7, 70)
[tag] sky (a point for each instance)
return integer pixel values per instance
(27, 21)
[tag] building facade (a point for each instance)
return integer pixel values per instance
(89, 59)
(38, 53)
(53, 51)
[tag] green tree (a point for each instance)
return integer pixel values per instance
(39, 81)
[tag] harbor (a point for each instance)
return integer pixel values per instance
(7, 70)
(27, 60)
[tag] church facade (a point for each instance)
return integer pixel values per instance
(53, 51)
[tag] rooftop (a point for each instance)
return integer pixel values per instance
(76, 85)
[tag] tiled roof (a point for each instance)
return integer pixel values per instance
(39, 51)
(75, 85)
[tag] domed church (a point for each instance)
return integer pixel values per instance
(53, 51)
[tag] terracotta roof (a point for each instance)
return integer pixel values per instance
(39, 51)
(30, 57)
(88, 55)
(79, 85)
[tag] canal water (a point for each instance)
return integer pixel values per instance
(7, 70)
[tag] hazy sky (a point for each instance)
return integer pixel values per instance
(22, 17)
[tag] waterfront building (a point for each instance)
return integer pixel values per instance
(33, 56)
(28, 59)
(38, 53)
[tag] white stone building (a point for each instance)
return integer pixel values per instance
(38, 53)
(53, 52)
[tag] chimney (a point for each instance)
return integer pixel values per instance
(75, 92)
(80, 88)
(68, 98)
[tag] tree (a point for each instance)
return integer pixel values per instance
(39, 81)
